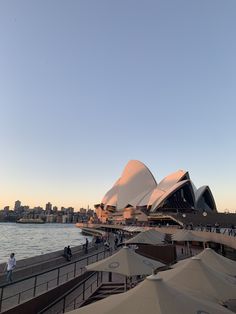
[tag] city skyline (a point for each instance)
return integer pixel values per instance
(87, 86)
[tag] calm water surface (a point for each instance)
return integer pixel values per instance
(28, 240)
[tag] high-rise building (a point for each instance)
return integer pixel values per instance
(17, 205)
(48, 207)
(6, 209)
(55, 209)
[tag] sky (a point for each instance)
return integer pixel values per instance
(86, 86)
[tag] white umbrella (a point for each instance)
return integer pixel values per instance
(218, 262)
(152, 237)
(204, 282)
(126, 262)
(153, 296)
(186, 236)
(215, 261)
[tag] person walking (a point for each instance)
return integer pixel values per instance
(11, 264)
(86, 246)
(69, 253)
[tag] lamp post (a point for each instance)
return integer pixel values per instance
(204, 214)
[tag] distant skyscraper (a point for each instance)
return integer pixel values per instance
(48, 207)
(17, 205)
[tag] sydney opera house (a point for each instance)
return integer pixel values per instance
(137, 197)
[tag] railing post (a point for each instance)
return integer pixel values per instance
(64, 305)
(58, 276)
(1, 299)
(35, 285)
(83, 291)
(19, 298)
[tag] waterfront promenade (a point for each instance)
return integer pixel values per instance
(36, 275)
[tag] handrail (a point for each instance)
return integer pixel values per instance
(35, 276)
(67, 293)
(63, 297)
(50, 270)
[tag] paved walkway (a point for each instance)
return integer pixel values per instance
(38, 267)
(32, 280)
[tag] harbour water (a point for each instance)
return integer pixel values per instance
(27, 240)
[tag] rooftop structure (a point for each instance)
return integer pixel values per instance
(137, 191)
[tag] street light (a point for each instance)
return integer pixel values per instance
(204, 214)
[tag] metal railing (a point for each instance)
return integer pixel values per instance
(35, 285)
(76, 296)
(225, 231)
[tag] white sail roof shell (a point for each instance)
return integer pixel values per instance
(135, 182)
(136, 179)
(110, 197)
(138, 188)
(172, 179)
(168, 193)
(200, 192)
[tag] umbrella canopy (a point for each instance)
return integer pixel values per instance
(126, 262)
(147, 237)
(195, 276)
(153, 296)
(215, 261)
(186, 235)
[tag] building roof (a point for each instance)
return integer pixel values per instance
(137, 187)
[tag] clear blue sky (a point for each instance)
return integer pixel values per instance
(85, 86)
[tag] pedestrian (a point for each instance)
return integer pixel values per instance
(97, 241)
(69, 253)
(107, 245)
(86, 245)
(11, 264)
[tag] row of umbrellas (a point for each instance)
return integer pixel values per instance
(199, 285)
(155, 237)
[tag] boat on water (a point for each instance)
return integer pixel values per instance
(30, 221)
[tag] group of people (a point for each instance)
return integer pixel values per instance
(67, 253)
